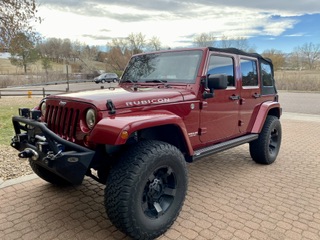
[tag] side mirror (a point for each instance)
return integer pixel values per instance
(217, 81)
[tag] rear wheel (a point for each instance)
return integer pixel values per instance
(47, 175)
(146, 189)
(265, 149)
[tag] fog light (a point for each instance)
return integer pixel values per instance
(24, 112)
(73, 159)
(35, 114)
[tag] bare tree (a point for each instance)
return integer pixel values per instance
(46, 65)
(87, 56)
(121, 49)
(294, 61)
(278, 58)
(154, 44)
(121, 43)
(137, 42)
(65, 50)
(117, 60)
(16, 16)
(52, 49)
(237, 42)
(205, 40)
(56, 49)
(309, 54)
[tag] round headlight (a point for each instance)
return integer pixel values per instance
(91, 118)
(43, 108)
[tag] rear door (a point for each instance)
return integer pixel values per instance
(250, 91)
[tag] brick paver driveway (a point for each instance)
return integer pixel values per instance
(229, 197)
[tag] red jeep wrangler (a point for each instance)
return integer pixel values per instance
(171, 107)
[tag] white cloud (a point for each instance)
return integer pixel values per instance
(295, 35)
(94, 22)
(276, 28)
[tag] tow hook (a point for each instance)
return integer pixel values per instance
(29, 153)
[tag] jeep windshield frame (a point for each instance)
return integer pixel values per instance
(163, 67)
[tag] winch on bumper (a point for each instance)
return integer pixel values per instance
(38, 143)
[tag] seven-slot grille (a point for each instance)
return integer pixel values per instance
(62, 120)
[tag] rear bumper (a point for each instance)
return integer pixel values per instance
(38, 143)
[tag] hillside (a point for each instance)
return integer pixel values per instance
(6, 68)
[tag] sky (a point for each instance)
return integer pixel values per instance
(274, 24)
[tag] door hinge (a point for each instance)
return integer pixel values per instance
(202, 131)
(203, 105)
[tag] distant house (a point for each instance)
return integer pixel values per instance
(4, 55)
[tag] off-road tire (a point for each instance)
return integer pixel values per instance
(265, 149)
(146, 189)
(47, 175)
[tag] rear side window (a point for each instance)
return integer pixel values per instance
(222, 65)
(266, 75)
(249, 72)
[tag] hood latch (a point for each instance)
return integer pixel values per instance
(111, 107)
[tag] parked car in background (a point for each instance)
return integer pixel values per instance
(106, 77)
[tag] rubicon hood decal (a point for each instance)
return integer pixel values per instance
(147, 102)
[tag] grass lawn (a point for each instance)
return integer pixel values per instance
(9, 107)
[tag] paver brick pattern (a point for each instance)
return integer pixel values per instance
(229, 197)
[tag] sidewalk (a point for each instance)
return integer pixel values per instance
(229, 197)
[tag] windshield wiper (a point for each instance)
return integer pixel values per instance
(164, 82)
(129, 81)
(134, 82)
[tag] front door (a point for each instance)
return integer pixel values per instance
(219, 116)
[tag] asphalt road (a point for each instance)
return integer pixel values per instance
(300, 102)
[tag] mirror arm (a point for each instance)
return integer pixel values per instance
(208, 93)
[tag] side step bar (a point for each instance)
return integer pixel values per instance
(204, 152)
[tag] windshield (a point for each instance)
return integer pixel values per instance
(180, 67)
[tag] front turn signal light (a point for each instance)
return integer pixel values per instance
(124, 135)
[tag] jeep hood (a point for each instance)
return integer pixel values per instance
(124, 98)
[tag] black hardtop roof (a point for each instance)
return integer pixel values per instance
(239, 52)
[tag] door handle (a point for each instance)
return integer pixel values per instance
(256, 95)
(234, 97)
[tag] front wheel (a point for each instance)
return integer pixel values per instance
(265, 149)
(146, 189)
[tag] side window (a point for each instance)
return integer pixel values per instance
(222, 65)
(266, 75)
(249, 73)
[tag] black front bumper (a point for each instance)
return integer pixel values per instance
(68, 160)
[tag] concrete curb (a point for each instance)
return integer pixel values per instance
(14, 181)
(301, 117)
